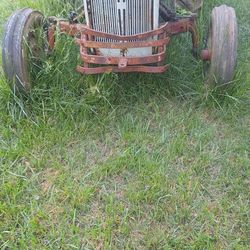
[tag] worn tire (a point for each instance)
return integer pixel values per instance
(222, 44)
(16, 47)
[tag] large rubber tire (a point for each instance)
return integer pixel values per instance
(222, 44)
(20, 46)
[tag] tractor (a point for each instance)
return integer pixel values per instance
(120, 36)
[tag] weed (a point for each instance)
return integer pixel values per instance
(126, 161)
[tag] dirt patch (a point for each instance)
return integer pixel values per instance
(54, 212)
(48, 178)
(92, 151)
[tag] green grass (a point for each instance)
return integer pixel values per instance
(126, 161)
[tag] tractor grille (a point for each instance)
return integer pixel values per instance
(123, 17)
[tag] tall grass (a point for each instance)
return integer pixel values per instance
(185, 79)
(134, 161)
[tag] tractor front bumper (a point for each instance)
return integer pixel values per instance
(92, 44)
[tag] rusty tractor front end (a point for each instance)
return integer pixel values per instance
(126, 35)
(120, 36)
(117, 58)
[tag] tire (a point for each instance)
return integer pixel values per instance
(23, 48)
(222, 44)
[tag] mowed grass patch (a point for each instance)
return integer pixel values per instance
(125, 161)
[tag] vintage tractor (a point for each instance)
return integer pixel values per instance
(119, 36)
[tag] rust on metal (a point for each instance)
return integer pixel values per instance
(91, 42)
(123, 62)
(96, 59)
(206, 55)
(116, 69)
(123, 45)
(51, 37)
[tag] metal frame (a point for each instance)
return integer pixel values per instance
(95, 63)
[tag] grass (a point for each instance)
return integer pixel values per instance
(126, 161)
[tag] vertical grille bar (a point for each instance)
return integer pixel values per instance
(124, 17)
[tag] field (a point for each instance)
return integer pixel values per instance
(126, 161)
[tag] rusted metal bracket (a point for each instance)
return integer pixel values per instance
(91, 43)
